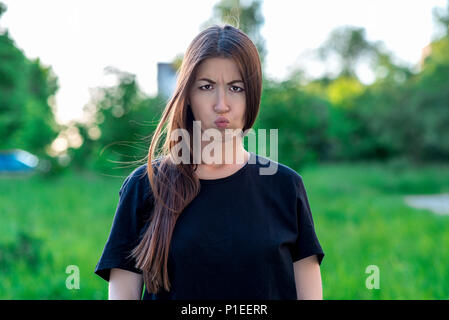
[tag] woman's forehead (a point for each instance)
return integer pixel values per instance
(218, 69)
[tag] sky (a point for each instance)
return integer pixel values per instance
(78, 39)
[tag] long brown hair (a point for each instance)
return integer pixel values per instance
(174, 186)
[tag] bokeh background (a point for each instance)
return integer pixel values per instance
(359, 91)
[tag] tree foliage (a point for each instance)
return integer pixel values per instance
(26, 89)
(121, 121)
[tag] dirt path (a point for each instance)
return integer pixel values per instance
(438, 204)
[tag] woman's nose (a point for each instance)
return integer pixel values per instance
(221, 105)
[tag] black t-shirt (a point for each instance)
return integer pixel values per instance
(237, 239)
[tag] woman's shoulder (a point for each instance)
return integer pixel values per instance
(137, 184)
(138, 180)
(140, 173)
(269, 167)
(278, 176)
(137, 176)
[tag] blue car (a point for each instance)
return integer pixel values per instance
(17, 161)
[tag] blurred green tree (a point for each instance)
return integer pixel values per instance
(121, 119)
(349, 46)
(301, 119)
(442, 18)
(26, 91)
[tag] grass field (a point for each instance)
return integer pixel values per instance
(359, 213)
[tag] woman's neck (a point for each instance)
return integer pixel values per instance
(232, 153)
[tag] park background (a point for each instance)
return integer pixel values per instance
(362, 149)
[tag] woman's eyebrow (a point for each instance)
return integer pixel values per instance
(213, 82)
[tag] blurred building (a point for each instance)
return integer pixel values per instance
(166, 79)
(426, 51)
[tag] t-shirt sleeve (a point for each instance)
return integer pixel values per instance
(307, 243)
(130, 219)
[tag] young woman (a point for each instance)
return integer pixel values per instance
(212, 226)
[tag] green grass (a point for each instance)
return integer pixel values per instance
(65, 221)
(361, 220)
(359, 212)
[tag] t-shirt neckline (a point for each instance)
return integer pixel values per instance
(235, 174)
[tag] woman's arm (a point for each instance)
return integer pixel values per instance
(125, 285)
(308, 279)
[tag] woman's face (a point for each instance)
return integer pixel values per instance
(218, 92)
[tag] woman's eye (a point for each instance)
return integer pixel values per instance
(204, 86)
(234, 88)
(238, 89)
